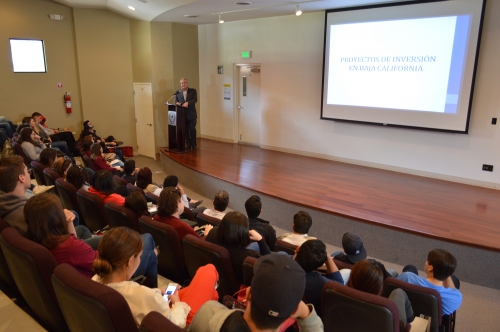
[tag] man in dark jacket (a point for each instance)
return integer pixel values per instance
(253, 206)
(187, 97)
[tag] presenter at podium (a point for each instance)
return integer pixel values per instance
(187, 97)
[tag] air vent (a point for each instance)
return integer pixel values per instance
(144, 1)
(191, 16)
(244, 3)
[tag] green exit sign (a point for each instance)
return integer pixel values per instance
(246, 54)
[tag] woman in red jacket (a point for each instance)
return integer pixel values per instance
(100, 163)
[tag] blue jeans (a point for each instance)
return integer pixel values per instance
(149, 262)
(7, 128)
(62, 146)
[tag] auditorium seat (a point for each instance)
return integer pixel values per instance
(121, 216)
(131, 188)
(92, 209)
(424, 301)
(198, 253)
(5, 274)
(88, 305)
(118, 181)
(19, 151)
(203, 219)
(281, 245)
(38, 172)
(248, 264)
(67, 194)
(344, 309)
(50, 177)
(150, 197)
(32, 266)
(89, 162)
(171, 262)
(156, 322)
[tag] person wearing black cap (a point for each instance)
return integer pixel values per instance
(274, 296)
(354, 251)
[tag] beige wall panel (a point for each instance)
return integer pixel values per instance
(106, 79)
(163, 77)
(140, 37)
(21, 94)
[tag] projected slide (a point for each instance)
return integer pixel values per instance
(400, 64)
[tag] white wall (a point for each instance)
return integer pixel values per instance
(290, 50)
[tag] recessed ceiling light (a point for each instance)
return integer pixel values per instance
(191, 16)
(131, 8)
(244, 3)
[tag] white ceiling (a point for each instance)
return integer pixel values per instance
(175, 10)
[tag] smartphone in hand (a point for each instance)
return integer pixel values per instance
(171, 289)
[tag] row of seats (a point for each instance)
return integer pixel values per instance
(61, 298)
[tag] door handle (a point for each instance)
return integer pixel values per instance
(239, 106)
(150, 124)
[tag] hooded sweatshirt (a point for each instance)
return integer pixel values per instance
(12, 210)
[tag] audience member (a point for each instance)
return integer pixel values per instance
(8, 126)
(48, 226)
(15, 181)
(61, 166)
(48, 157)
(100, 163)
(137, 203)
(311, 255)
(45, 134)
(130, 172)
(253, 207)
(367, 276)
(273, 297)
(78, 177)
(170, 207)
(234, 235)
(354, 250)
(302, 222)
(145, 180)
(221, 201)
(102, 186)
(173, 181)
(439, 268)
(31, 148)
(120, 253)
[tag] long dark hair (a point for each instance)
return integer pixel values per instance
(168, 202)
(137, 203)
(103, 182)
(48, 157)
(77, 176)
(46, 221)
(233, 229)
(367, 276)
(25, 136)
(144, 178)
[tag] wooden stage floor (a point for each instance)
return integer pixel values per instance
(439, 209)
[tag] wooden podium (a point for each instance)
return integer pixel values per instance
(176, 127)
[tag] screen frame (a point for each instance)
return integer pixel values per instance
(476, 57)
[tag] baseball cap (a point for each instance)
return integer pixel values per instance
(277, 286)
(353, 247)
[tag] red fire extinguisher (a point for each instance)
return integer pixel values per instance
(67, 102)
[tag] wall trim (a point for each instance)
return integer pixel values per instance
(457, 179)
(220, 139)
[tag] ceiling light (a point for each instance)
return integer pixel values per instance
(191, 16)
(221, 20)
(298, 12)
(131, 8)
(243, 3)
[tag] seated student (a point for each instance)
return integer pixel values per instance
(302, 222)
(253, 207)
(8, 126)
(439, 268)
(145, 180)
(48, 157)
(274, 296)
(311, 255)
(137, 203)
(45, 133)
(234, 235)
(61, 166)
(31, 148)
(367, 276)
(120, 253)
(78, 177)
(100, 163)
(354, 251)
(130, 172)
(102, 185)
(170, 207)
(173, 181)
(221, 201)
